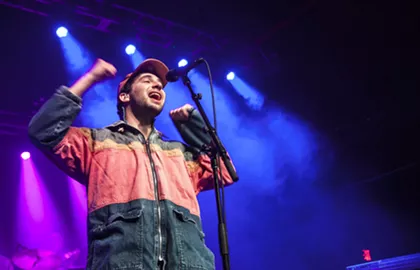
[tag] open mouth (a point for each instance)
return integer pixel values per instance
(155, 96)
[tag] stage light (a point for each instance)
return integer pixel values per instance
(182, 63)
(366, 255)
(130, 49)
(61, 32)
(230, 76)
(25, 155)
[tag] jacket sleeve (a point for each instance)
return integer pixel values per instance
(50, 130)
(198, 163)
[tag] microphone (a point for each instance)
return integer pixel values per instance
(174, 74)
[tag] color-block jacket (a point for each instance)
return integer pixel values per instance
(142, 202)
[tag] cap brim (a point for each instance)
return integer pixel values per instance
(155, 67)
(150, 65)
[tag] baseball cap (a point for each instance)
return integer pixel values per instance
(150, 65)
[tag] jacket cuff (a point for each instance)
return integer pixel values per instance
(193, 131)
(64, 90)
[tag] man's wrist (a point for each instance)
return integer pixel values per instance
(83, 84)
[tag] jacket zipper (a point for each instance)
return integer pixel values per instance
(156, 191)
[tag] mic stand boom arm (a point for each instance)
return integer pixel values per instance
(215, 149)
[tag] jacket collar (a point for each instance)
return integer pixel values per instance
(122, 127)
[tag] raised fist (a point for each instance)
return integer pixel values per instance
(181, 114)
(102, 70)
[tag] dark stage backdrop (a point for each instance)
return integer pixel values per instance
(297, 205)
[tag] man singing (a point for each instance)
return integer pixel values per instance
(143, 211)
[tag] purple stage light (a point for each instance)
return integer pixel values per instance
(25, 155)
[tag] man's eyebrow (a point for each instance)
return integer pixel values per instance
(147, 76)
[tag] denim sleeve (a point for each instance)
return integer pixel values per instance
(193, 132)
(50, 130)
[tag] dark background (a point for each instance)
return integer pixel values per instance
(347, 68)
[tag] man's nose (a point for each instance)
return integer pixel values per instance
(157, 85)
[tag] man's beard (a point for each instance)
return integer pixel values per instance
(146, 110)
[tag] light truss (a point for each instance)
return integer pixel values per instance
(112, 17)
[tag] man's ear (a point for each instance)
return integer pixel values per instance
(124, 97)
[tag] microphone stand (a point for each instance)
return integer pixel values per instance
(215, 150)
